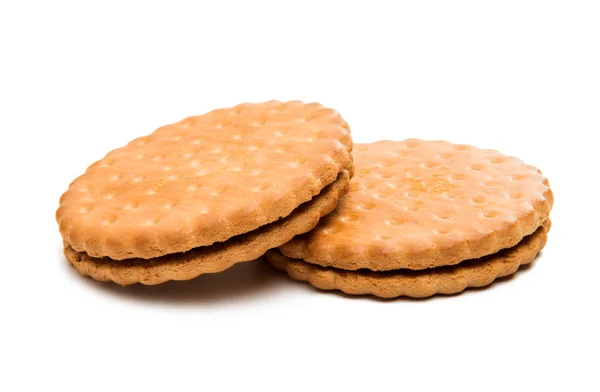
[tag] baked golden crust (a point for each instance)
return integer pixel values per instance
(217, 257)
(204, 180)
(420, 204)
(419, 284)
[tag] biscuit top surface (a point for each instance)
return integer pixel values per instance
(204, 179)
(420, 204)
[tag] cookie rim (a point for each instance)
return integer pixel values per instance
(371, 256)
(425, 283)
(214, 258)
(152, 241)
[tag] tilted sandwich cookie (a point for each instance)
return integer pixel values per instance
(207, 192)
(422, 218)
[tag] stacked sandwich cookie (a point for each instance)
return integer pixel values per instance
(424, 218)
(207, 192)
(281, 179)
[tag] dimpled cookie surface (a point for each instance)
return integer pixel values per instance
(420, 204)
(204, 180)
(217, 257)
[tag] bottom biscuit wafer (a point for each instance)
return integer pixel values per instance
(417, 283)
(214, 258)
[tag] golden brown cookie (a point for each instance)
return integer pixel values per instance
(205, 181)
(214, 258)
(420, 204)
(424, 217)
(421, 283)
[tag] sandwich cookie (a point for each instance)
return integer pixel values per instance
(422, 218)
(202, 194)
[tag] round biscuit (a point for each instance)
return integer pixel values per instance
(204, 180)
(420, 204)
(214, 258)
(417, 284)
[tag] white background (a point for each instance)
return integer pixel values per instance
(78, 80)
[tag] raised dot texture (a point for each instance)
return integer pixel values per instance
(232, 147)
(479, 199)
(366, 206)
(474, 203)
(130, 206)
(490, 214)
(184, 266)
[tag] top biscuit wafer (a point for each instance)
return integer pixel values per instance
(204, 179)
(420, 204)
